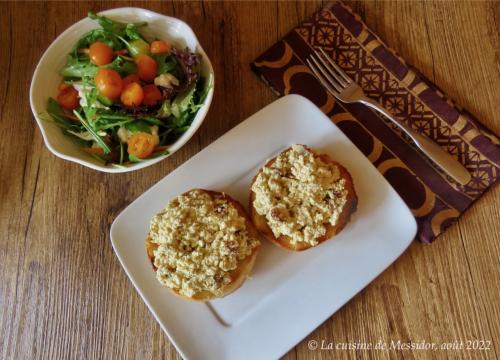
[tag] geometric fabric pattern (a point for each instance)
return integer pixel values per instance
(436, 200)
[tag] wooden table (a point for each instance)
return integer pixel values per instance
(63, 294)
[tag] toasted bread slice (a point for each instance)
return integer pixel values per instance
(283, 241)
(244, 267)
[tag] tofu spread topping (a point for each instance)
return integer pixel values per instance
(299, 194)
(201, 239)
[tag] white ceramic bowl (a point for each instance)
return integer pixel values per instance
(46, 80)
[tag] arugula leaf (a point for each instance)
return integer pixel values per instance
(90, 99)
(109, 33)
(54, 109)
(105, 122)
(152, 120)
(116, 116)
(184, 121)
(113, 26)
(94, 35)
(138, 126)
(116, 33)
(206, 85)
(58, 116)
(99, 118)
(104, 100)
(203, 86)
(122, 66)
(193, 108)
(107, 24)
(76, 68)
(167, 67)
(132, 31)
(85, 135)
(80, 68)
(165, 110)
(177, 123)
(182, 101)
(96, 137)
(134, 158)
(182, 129)
(166, 63)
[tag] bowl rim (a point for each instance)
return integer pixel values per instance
(202, 112)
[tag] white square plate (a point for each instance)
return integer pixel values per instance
(289, 294)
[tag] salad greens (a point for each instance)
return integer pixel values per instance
(125, 98)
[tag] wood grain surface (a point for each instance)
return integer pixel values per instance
(63, 294)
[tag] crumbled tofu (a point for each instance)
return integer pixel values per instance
(200, 239)
(83, 91)
(123, 134)
(154, 131)
(166, 81)
(299, 194)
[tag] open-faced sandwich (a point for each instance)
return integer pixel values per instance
(202, 245)
(300, 198)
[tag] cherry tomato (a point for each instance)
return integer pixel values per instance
(68, 97)
(146, 67)
(109, 83)
(160, 47)
(151, 95)
(132, 95)
(130, 79)
(100, 53)
(141, 145)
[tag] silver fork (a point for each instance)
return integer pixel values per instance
(340, 85)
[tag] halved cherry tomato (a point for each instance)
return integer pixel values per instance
(130, 79)
(160, 47)
(132, 95)
(100, 53)
(68, 97)
(151, 95)
(146, 67)
(109, 83)
(141, 145)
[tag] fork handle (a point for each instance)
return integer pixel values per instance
(433, 151)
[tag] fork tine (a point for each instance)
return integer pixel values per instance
(336, 67)
(332, 72)
(327, 75)
(321, 79)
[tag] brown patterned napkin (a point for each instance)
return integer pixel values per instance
(435, 200)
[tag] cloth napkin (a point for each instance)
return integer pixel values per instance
(435, 200)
